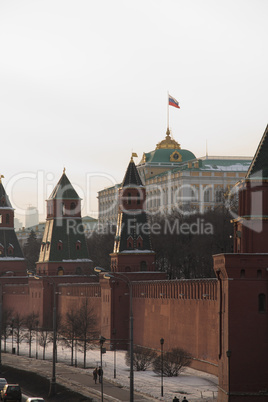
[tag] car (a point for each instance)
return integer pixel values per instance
(11, 392)
(3, 382)
(35, 399)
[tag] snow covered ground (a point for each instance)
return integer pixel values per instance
(194, 384)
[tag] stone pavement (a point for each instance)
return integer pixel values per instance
(75, 378)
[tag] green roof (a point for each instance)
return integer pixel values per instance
(164, 155)
(64, 190)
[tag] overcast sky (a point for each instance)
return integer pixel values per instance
(84, 83)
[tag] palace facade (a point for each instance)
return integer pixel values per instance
(176, 180)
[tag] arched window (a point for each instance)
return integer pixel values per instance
(262, 303)
(10, 249)
(242, 273)
(206, 196)
(78, 245)
(143, 266)
(60, 271)
(60, 245)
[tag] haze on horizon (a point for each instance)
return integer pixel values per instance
(84, 84)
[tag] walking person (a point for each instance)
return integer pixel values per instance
(100, 374)
(184, 399)
(95, 374)
(175, 399)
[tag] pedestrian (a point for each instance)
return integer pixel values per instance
(100, 373)
(184, 399)
(175, 399)
(95, 374)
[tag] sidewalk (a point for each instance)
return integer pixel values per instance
(75, 378)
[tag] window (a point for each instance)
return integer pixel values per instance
(7, 218)
(206, 196)
(130, 243)
(78, 271)
(262, 303)
(242, 273)
(60, 245)
(143, 266)
(60, 271)
(129, 198)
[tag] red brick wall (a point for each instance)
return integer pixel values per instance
(184, 313)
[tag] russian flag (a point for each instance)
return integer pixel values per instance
(173, 102)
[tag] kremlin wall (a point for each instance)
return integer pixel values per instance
(222, 322)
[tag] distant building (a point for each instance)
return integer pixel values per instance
(176, 180)
(31, 217)
(17, 224)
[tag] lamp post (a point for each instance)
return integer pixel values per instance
(12, 331)
(162, 368)
(102, 340)
(36, 338)
(125, 279)
(52, 388)
(228, 354)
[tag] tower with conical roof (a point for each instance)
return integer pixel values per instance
(243, 291)
(251, 224)
(12, 261)
(132, 246)
(63, 248)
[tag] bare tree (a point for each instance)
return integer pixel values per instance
(31, 323)
(86, 322)
(44, 340)
(19, 322)
(6, 319)
(173, 362)
(69, 331)
(142, 357)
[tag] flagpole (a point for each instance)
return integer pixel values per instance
(167, 110)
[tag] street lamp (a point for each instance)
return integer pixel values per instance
(162, 370)
(52, 389)
(102, 340)
(228, 354)
(124, 278)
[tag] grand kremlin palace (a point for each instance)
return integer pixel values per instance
(175, 180)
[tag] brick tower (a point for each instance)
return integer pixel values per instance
(243, 292)
(132, 245)
(132, 260)
(12, 261)
(63, 248)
